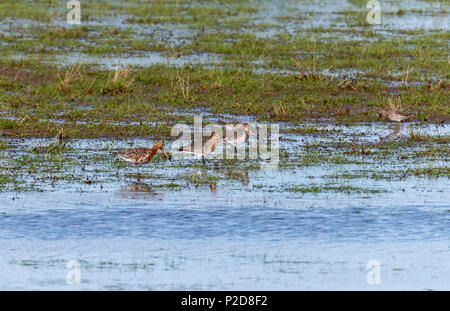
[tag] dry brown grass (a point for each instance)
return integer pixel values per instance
(279, 109)
(72, 73)
(405, 79)
(311, 71)
(353, 84)
(394, 104)
(119, 81)
(181, 85)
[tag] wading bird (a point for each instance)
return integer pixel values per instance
(141, 155)
(208, 145)
(393, 111)
(240, 133)
(393, 115)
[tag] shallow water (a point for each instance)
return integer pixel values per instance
(246, 232)
(342, 18)
(230, 225)
(144, 60)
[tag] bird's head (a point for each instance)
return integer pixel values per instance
(248, 130)
(216, 136)
(160, 146)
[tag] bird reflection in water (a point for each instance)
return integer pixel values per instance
(200, 177)
(395, 134)
(241, 175)
(138, 189)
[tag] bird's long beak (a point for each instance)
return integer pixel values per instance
(169, 158)
(224, 141)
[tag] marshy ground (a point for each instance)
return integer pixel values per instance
(348, 181)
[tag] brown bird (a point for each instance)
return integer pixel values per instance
(241, 133)
(208, 145)
(392, 115)
(141, 155)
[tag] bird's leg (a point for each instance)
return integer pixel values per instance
(203, 159)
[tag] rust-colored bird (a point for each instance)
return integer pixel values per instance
(141, 155)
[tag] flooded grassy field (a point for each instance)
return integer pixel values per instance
(349, 187)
